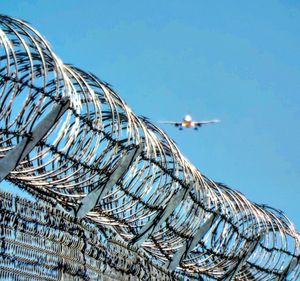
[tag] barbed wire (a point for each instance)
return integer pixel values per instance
(80, 152)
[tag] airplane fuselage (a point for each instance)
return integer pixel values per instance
(187, 124)
(187, 121)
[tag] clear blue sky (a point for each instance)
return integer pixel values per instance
(234, 60)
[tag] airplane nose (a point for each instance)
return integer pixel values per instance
(188, 118)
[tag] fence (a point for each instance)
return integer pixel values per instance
(71, 141)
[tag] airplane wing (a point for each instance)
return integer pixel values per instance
(199, 123)
(171, 122)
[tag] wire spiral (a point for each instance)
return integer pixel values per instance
(78, 154)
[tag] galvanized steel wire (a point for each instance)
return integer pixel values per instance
(78, 154)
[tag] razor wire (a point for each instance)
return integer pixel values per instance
(82, 149)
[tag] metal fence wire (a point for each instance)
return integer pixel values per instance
(182, 220)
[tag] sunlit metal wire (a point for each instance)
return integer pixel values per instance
(78, 153)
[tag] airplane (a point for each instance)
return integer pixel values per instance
(188, 122)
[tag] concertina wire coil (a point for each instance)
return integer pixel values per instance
(78, 153)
